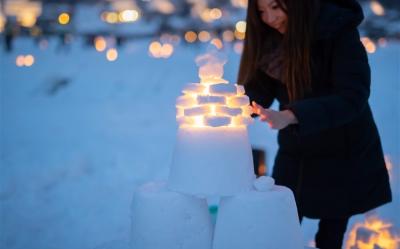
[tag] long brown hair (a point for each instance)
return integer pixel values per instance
(260, 38)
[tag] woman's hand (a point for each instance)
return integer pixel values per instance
(275, 119)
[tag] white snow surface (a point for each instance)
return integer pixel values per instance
(165, 219)
(71, 161)
(264, 183)
(213, 161)
(258, 220)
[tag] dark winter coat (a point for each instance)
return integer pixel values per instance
(332, 159)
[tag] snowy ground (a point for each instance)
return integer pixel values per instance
(70, 161)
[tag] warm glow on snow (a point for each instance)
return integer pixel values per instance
(373, 233)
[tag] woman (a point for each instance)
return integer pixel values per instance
(307, 54)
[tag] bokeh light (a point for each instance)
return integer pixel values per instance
(64, 18)
(217, 43)
(382, 42)
(158, 50)
(204, 36)
(369, 45)
(377, 8)
(25, 60)
(100, 43)
(228, 36)
(190, 36)
(112, 54)
(27, 19)
(29, 60)
(241, 26)
(20, 61)
(238, 47)
(128, 16)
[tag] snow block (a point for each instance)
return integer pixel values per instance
(211, 100)
(223, 89)
(240, 89)
(179, 112)
(182, 120)
(224, 110)
(240, 121)
(216, 121)
(193, 88)
(163, 219)
(185, 101)
(247, 111)
(264, 183)
(238, 101)
(272, 212)
(213, 81)
(197, 111)
(212, 161)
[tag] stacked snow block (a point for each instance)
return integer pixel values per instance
(217, 105)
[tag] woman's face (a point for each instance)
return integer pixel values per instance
(272, 15)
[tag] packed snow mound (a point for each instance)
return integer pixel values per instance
(165, 219)
(212, 162)
(258, 220)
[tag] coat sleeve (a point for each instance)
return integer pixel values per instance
(351, 88)
(260, 89)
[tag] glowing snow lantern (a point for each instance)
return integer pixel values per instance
(212, 153)
(372, 234)
(213, 102)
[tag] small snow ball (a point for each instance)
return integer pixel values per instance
(264, 183)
